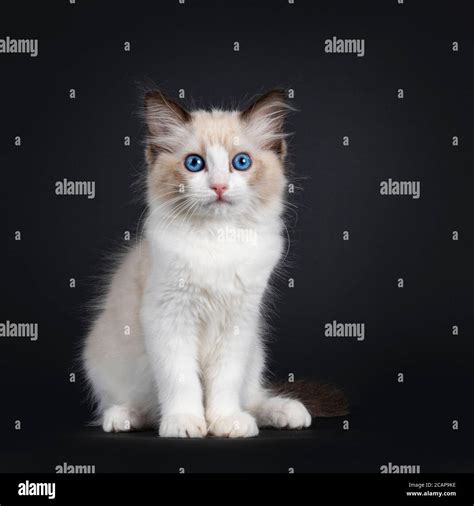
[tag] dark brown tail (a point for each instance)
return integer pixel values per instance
(320, 399)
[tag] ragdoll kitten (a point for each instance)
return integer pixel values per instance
(178, 340)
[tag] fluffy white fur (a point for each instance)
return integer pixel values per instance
(178, 340)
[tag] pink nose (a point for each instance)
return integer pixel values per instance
(219, 189)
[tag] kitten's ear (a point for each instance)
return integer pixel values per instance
(265, 120)
(166, 122)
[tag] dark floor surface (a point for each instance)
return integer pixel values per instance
(324, 448)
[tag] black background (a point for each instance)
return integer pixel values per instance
(190, 47)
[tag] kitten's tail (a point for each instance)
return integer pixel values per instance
(320, 399)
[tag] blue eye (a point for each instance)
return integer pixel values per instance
(194, 163)
(242, 161)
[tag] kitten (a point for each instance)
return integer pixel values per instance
(179, 337)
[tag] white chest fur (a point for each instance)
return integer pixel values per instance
(218, 259)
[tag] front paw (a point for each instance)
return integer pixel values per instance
(182, 425)
(240, 424)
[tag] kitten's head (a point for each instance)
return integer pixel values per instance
(215, 164)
